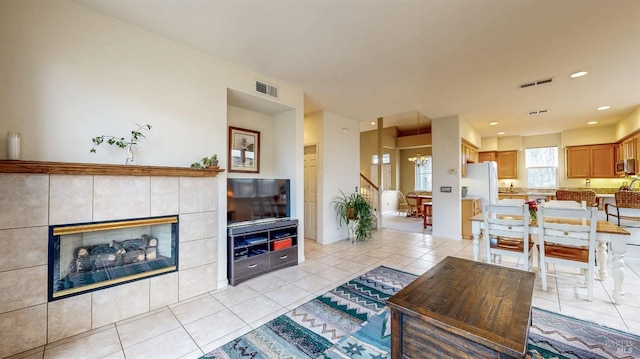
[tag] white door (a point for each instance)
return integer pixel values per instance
(310, 192)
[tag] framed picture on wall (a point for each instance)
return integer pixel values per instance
(244, 150)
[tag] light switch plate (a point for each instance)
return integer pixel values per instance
(446, 189)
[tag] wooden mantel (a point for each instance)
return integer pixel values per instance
(68, 168)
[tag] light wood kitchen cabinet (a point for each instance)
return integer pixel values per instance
(486, 156)
(468, 154)
(578, 159)
(602, 161)
(619, 152)
(629, 148)
(591, 161)
(470, 207)
(507, 164)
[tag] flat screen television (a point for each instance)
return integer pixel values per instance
(254, 199)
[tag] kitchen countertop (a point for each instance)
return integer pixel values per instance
(600, 192)
(542, 194)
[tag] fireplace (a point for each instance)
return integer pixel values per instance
(85, 257)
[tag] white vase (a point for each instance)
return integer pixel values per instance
(13, 145)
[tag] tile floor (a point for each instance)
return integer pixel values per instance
(191, 328)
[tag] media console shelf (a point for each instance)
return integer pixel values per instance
(259, 247)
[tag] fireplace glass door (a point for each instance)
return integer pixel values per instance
(87, 257)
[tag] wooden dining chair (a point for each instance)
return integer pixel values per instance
(403, 207)
(506, 232)
(412, 203)
(567, 237)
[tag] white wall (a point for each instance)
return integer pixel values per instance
(288, 151)
(263, 123)
(468, 133)
(73, 74)
(340, 170)
(589, 136)
(70, 74)
(628, 124)
(447, 217)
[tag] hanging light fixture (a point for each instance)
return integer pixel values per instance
(419, 160)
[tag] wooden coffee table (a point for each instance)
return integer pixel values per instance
(463, 309)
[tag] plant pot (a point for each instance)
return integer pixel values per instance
(351, 215)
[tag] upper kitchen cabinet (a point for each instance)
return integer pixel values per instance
(468, 154)
(578, 160)
(591, 161)
(507, 164)
(486, 156)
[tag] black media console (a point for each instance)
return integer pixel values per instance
(259, 247)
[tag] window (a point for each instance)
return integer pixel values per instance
(542, 167)
(386, 158)
(424, 178)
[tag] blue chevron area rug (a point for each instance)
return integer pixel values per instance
(352, 321)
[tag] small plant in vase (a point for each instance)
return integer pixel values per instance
(533, 211)
(206, 162)
(121, 141)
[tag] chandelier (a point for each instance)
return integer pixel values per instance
(420, 161)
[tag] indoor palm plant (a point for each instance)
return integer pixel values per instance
(357, 213)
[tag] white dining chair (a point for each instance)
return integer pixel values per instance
(511, 202)
(506, 232)
(555, 203)
(567, 237)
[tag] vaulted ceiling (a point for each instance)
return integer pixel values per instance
(382, 58)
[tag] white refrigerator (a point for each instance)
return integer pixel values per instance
(481, 181)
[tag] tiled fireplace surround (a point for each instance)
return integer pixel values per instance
(30, 202)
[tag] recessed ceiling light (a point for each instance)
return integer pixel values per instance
(601, 108)
(578, 74)
(501, 133)
(592, 122)
(373, 123)
(493, 123)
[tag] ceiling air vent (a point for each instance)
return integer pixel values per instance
(538, 112)
(536, 83)
(266, 89)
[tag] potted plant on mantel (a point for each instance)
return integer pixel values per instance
(357, 213)
(206, 163)
(121, 141)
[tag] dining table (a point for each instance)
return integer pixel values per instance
(607, 233)
(420, 198)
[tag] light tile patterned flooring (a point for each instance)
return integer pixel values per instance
(191, 328)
